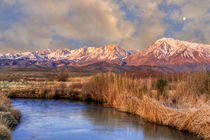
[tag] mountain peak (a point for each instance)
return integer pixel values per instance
(169, 51)
(111, 47)
(166, 39)
(165, 51)
(169, 41)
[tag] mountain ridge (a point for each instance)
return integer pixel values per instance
(163, 52)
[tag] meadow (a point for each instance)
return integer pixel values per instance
(178, 100)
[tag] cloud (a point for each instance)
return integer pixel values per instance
(92, 21)
(8, 47)
(28, 33)
(55, 23)
(197, 25)
(152, 25)
(10, 2)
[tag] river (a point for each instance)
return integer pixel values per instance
(70, 120)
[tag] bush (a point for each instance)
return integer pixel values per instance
(7, 119)
(5, 134)
(5, 103)
(161, 85)
(62, 77)
(16, 113)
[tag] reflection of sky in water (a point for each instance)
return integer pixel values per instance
(64, 120)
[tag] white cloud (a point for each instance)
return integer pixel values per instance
(152, 26)
(28, 33)
(98, 22)
(91, 21)
(197, 14)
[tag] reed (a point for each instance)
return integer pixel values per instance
(5, 134)
(140, 96)
(9, 117)
(48, 90)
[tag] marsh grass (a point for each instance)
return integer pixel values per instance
(184, 105)
(5, 133)
(9, 117)
(49, 90)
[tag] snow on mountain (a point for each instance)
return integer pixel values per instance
(164, 52)
(168, 51)
(85, 55)
(167, 47)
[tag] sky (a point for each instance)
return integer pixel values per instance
(27, 25)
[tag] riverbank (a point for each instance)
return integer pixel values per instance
(64, 119)
(9, 118)
(181, 100)
(184, 106)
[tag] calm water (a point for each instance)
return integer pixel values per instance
(65, 120)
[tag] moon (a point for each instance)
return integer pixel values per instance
(184, 18)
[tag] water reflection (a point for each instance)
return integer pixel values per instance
(114, 118)
(65, 120)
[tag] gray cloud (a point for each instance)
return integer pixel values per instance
(101, 22)
(6, 47)
(28, 33)
(152, 26)
(92, 21)
(197, 25)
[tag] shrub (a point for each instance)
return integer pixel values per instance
(62, 77)
(7, 119)
(5, 134)
(16, 113)
(5, 103)
(161, 85)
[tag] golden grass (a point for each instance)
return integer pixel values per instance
(5, 103)
(5, 134)
(139, 96)
(9, 117)
(184, 105)
(48, 90)
(196, 121)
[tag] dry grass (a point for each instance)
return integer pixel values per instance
(5, 134)
(48, 90)
(184, 105)
(139, 96)
(9, 117)
(193, 120)
(193, 90)
(62, 77)
(5, 103)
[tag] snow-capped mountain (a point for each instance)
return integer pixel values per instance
(168, 51)
(164, 52)
(67, 57)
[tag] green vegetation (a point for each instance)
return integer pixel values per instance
(161, 85)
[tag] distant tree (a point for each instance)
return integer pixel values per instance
(62, 77)
(161, 85)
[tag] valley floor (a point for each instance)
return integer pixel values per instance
(180, 100)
